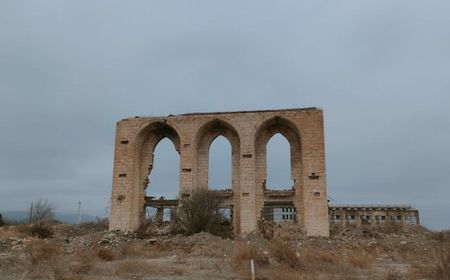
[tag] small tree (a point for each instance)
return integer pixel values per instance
(2, 223)
(42, 211)
(200, 211)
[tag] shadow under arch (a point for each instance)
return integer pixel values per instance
(205, 136)
(263, 134)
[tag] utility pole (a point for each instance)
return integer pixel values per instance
(79, 212)
(31, 213)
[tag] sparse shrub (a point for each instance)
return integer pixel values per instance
(2, 223)
(42, 211)
(281, 250)
(266, 228)
(243, 252)
(84, 260)
(393, 274)
(43, 252)
(136, 268)
(199, 212)
(319, 260)
(391, 227)
(359, 260)
(106, 254)
(146, 228)
(442, 269)
(441, 236)
(42, 231)
(132, 249)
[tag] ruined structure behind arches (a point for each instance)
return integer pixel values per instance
(248, 134)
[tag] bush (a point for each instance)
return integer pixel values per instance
(146, 228)
(43, 252)
(2, 223)
(442, 269)
(42, 211)
(199, 212)
(106, 254)
(42, 231)
(284, 253)
(244, 252)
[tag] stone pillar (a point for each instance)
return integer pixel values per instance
(315, 205)
(248, 211)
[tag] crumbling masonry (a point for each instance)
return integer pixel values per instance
(249, 198)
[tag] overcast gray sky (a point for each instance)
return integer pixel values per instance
(379, 69)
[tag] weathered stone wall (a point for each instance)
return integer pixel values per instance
(248, 134)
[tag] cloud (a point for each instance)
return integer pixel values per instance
(70, 70)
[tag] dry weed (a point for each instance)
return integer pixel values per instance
(134, 268)
(284, 253)
(43, 252)
(441, 236)
(442, 269)
(243, 252)
(106, 254)
(359, 260)
(316, 259)
(284, 273)
(84, 261)
(393, 274)
(42, 231)
(133, 249)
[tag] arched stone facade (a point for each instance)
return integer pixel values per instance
(248, 134)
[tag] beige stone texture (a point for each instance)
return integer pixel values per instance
(248, 133)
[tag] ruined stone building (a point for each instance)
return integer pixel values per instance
(250, 198)
(305, 202)
(372, 215)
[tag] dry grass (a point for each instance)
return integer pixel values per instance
(106, 254)
(284, 253)
(135, 268)
(359, 260)
(393, 274)
(244, 252)
(441, 236)
(316, 259)
(391, 227)
(43, 252)
(442, 268)
(84, 261)
(133, 250)
(42, 231)
(283, 273)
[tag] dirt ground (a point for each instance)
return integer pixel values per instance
(89, 251)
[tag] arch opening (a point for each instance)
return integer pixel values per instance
(278, 173)
(163, 179)
(220, 164)
(220, 133)
(158, 170)
(278, 163)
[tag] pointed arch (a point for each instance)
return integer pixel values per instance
(278, 163)
(163, 179)
(205, 136)
(263, 134)
(146, 141)
(220, 164)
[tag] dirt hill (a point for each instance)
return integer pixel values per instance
(89, 251)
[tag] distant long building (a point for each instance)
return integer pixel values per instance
(360, 215)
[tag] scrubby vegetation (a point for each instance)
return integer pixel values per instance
(89, 251)
(200, 211)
